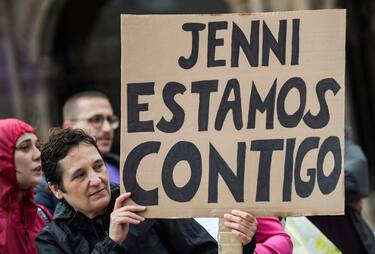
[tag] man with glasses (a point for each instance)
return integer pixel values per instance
(92, 112)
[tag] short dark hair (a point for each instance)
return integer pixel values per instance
(69, 109)
(60, 142)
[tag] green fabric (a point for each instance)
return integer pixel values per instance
(308, 239)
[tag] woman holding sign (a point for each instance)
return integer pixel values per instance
(91, 217)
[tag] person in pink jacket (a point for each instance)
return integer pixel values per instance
(271, 237)
(20, 170)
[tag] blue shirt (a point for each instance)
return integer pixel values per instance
(113, 173)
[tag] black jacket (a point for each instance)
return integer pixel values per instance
(111, 158)
(355, 235)
(73, 232)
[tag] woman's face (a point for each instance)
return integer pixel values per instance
(27, 161)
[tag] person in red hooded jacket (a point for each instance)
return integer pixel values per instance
(20, 170)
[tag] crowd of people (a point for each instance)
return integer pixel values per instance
(76, 178)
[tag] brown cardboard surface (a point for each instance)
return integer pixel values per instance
(227, 241)
(151, 48)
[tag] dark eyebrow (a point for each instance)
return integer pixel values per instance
(75, 173)
(29, 140)
(26, 141)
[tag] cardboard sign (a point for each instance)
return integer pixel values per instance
(231, 111)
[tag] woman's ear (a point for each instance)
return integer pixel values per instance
(56, 190)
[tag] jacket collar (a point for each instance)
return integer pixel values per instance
(64, 212)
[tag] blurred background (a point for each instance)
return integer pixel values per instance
(51, 49)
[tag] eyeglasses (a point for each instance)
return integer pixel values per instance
(97, 120)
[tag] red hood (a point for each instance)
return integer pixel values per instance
(10, 131)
